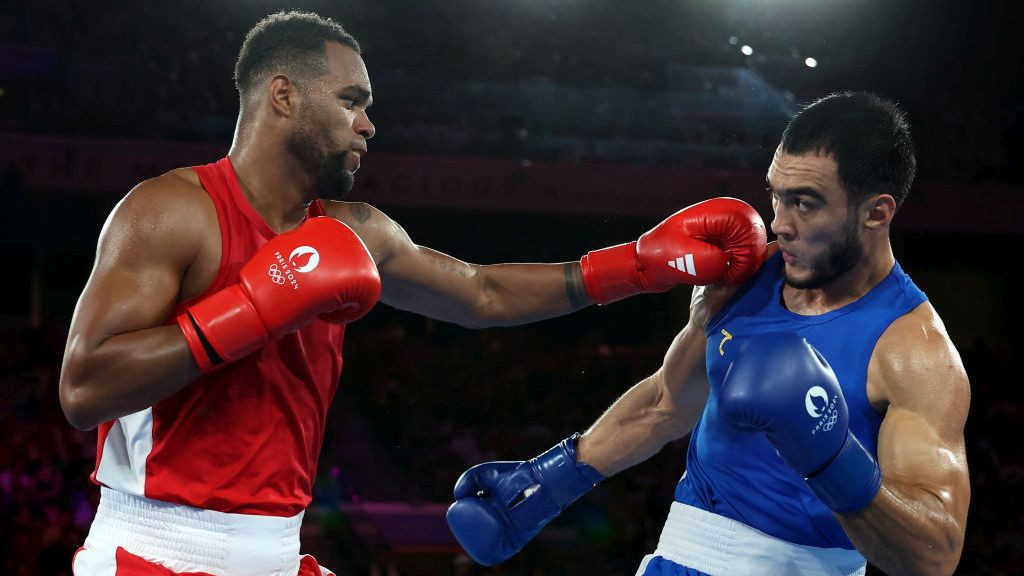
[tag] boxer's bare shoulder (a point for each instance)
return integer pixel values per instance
(908, 356)
(172, 215)
(175, 197)
(382, 235)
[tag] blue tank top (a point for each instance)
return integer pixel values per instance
(738, 474)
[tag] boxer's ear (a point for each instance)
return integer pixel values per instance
(284, 95)
(878, 211)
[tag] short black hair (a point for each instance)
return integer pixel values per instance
(288, 41)
(868, 136)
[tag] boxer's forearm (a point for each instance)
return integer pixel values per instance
(482, 296)
(522, 293)
(663, 407)
(906, 530)
(635, 428)
(123, 374)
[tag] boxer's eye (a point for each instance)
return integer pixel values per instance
(803, 204)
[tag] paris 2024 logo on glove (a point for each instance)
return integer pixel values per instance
(820, 406)
(302, 260)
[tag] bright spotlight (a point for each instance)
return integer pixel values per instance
(811, 63)
(747, 50)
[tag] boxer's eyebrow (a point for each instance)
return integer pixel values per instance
(797, 191)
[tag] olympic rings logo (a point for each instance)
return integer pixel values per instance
(276, 276)
(830, 422)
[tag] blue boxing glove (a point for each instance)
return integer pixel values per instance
(500, 506)
(782, 386)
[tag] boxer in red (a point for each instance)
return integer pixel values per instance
(206, 345)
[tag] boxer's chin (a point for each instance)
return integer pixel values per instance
(329, 170)
(334, 180)
(339, 187)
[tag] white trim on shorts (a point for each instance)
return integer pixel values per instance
(715, 545)
(186, 539)
(126, 449)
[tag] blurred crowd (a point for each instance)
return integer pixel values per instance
(448, 80)
(46, 498)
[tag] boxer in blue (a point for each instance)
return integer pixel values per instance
(826, 402)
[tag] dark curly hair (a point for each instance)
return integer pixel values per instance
(869, 138)
(290, 42)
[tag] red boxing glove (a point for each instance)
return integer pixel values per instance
(717, 240)
(320, 268)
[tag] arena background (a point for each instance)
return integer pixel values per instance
(507, 130)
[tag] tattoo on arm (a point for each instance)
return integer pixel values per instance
(574, 287)
(449, 266)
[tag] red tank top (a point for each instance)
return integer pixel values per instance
(245, 438)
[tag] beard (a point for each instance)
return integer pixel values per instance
(840, 257)
(307, 145)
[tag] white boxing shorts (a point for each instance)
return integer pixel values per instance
(713, 544)
(133, 536)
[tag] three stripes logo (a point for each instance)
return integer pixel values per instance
(684, 263)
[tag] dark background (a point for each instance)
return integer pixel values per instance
(527, 130)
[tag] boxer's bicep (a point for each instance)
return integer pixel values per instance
(921, 439)
(144, 249)
(683, 375)
(117, 340)
(413, 277)
(661, 408)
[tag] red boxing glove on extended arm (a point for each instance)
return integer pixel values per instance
(321, 267)
(717, 240)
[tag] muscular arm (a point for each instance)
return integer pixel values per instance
(660, 408)
(425, 281)
(120, 357)
(664, 406)
(916, 522)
